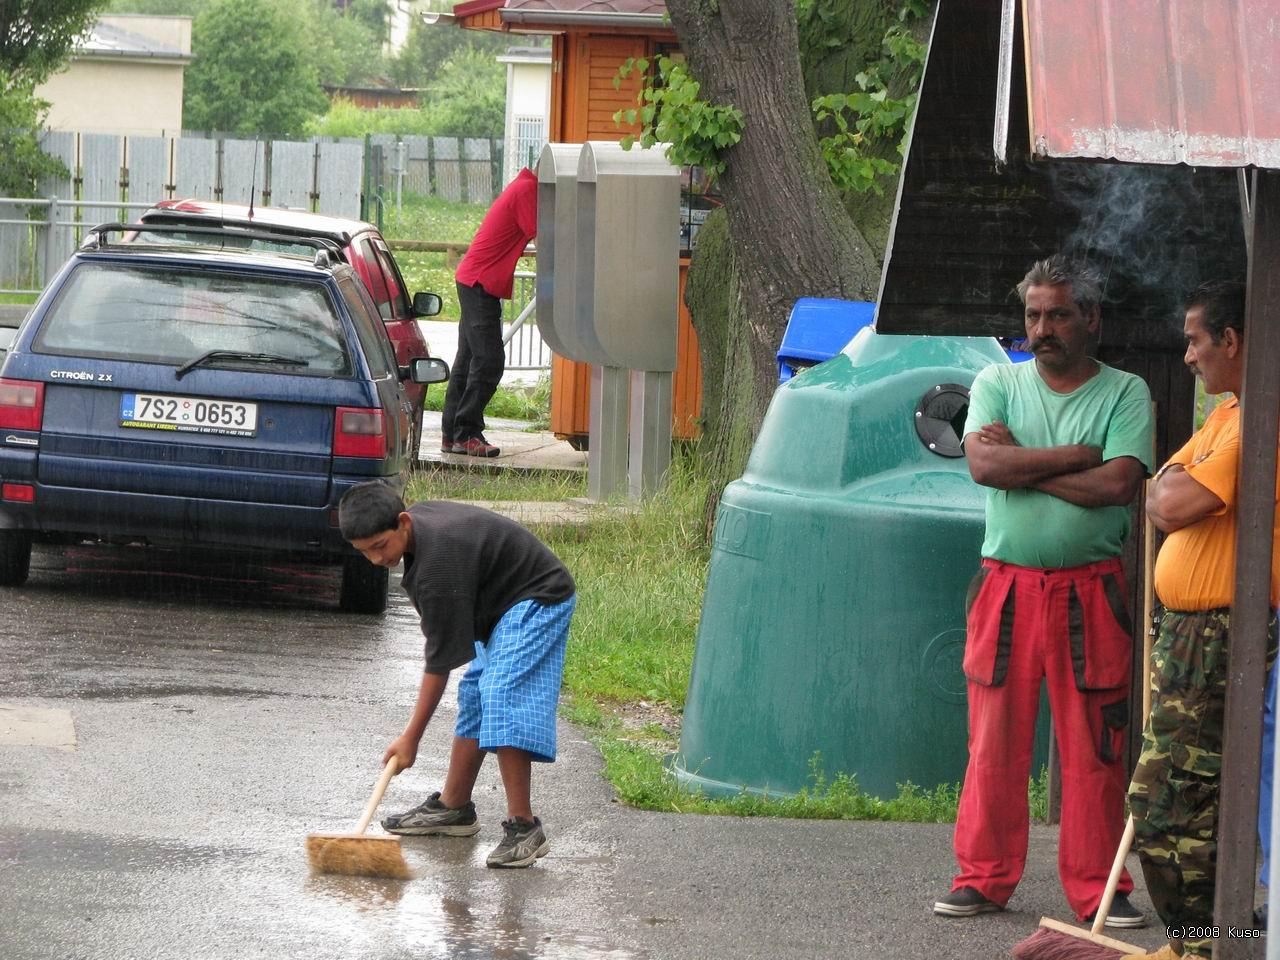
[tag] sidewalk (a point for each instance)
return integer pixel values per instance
(520, 448)
(768, 889)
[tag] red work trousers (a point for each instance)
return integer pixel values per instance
(1070, 627)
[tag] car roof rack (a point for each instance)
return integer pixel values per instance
(328, 251)
(172, 215)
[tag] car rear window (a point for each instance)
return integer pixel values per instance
(228, 241)
(163, 315)
(372, 334)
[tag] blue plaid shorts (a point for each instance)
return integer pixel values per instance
(508, 696)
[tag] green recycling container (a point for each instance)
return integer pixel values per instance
(832, 628)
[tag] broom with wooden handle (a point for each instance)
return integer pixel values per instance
(1055, 940)
(356, 854)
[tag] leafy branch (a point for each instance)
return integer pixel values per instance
(871, 115)
(669, 110)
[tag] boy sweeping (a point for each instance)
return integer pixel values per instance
(490, 593)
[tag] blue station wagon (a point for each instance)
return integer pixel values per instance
(207, 396)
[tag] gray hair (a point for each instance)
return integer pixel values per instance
(1083, 279)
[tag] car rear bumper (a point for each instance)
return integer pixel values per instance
(115, 515)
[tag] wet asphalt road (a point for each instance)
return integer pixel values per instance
(222, 712)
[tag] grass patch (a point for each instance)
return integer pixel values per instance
(431, 218)
(637, 774)
(424, 217)
(1038, 796)
(532, 405)
(452, 483)
(640, 579)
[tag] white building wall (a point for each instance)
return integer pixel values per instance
(528, 111)
(116, 96)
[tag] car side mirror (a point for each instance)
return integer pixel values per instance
(427, 304)
(428, 369)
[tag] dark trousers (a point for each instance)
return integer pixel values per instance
(477, 368)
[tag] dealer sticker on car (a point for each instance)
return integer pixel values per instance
(188, 414)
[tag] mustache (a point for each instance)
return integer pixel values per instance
(1043, 341)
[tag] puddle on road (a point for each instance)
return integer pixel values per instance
(158, 896)
(456, 907)
(435, 923)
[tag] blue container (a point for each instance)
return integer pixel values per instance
(817, 330)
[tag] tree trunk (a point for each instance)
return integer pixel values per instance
(731, 393)
(790, 234)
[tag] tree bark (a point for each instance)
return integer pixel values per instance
(730, 391)
(790, 234)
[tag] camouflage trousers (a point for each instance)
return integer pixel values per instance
(1174, 793)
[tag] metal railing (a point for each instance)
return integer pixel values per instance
(524, 346)
(32, 248)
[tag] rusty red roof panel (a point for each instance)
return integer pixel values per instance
(1155, 81)
(649, 8)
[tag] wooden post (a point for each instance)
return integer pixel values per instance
(1246, 670)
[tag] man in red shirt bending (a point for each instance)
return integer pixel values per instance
(484, 280)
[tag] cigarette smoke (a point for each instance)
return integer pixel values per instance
(1154, 232)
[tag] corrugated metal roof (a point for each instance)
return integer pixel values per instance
(1155, 81)
(108, 40)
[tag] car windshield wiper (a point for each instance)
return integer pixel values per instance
(204, 358)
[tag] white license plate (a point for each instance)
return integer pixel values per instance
(152, 411)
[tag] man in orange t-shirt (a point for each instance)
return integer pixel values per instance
(1193, 499)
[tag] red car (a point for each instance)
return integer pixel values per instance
(362, 246)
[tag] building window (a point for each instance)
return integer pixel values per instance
(529, 136)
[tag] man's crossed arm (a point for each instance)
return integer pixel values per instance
(1177, 500)
(1072, 472)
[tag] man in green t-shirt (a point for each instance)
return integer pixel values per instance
(1062, 443)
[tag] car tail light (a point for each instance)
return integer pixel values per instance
(359, 432)
(18, 492)
(21, 404)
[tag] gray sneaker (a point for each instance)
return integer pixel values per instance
(433, 819)
(522, 843)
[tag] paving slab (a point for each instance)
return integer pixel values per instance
(573, 512)
(521, 449)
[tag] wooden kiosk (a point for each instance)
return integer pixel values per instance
(590, 41)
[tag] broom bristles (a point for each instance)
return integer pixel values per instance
(357, 856)
(1055, 940)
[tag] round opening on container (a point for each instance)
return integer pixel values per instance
(940, 419)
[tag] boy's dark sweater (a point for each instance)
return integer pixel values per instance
(468, 567)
